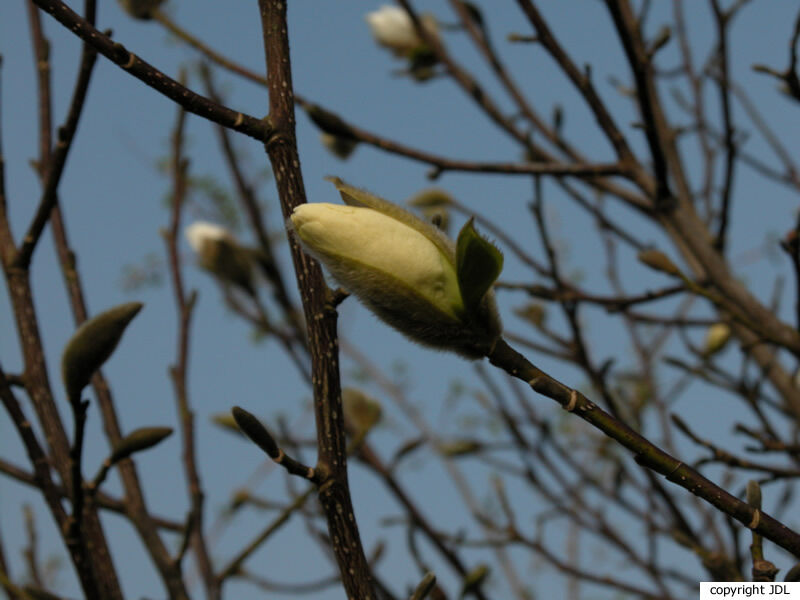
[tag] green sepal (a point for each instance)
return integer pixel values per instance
(138, 440)
(91, 345)
(478, 265)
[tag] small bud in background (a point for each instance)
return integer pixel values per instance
(655, 259)
(422, 63)
(91, 345)
(227, 422)
(138, 440)
(534, 313)
(392, 28)
(341, 147)
(140, 9)
(431, 198)
(433, 203)
(406, 271)
(361, 412)
(474, 579)
(717, 338)
(220, 254)
(457, 448)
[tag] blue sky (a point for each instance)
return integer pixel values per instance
(113, 196)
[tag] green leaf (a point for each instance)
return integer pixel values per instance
(478, 264)
(91, 345)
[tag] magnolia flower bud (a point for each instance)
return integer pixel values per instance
(138, 440)
(92, 345)
(140, 9)
(655, 259)
(406, 271)
(717, 338)
(341, 147)
(361, 412)
(392, 28)
(219, 253)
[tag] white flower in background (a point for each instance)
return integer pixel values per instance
(219, 253)
(392, 28)
(405, 270)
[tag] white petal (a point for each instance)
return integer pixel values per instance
(200, 232)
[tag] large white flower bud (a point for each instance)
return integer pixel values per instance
(219, 253)
(406, 271)
(392, 28)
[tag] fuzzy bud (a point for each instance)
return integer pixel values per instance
(91, 345)
(138, 440)
(220, 254)
(392, 28)
(655, 259)
(406, 271)
(140, 9)
(361, 412)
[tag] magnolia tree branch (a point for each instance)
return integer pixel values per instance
(185, 304)
(258, 129)
(334, 492)
(645, 452)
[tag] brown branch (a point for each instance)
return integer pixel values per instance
(101, 499)
(646, 454)
(178, 371)
(76, 546)
(722, 19)
(258, 129)
(334, 493)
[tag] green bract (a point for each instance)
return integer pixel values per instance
(405, 270)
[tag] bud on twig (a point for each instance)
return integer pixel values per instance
(393, 29)
(406, 271)
(220, 254)
(91, 345)
(138, 440)
(655, 259)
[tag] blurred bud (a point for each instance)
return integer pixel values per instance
(140, 9)
(534, 312)
(655, 259)
(327, 121)
(226, 421)
(91, 345)
(138, 440)
(406, 271)
(717, 338)
(431, 198)
(220, 254)
(392, 28)
(433, 203)
(422, 63)
(239, 498)
(361, 412)
(458, 448)
(341, 147)
(753, 493)
(474, 579)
